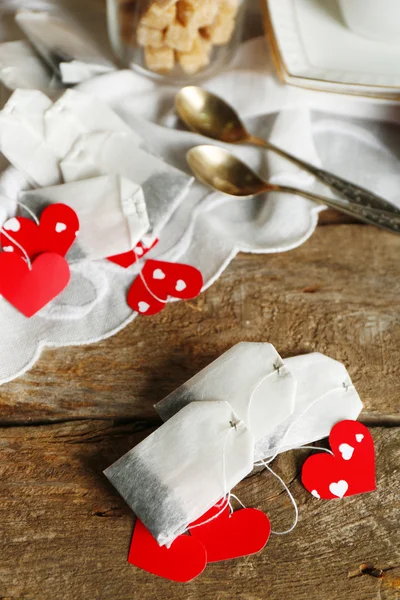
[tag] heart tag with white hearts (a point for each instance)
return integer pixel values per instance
(159, 280)
(351, 468)
(56, 232)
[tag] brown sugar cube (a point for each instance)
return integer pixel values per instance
(148, 36)
(186, 12)
(158, 17)
(205, 13)
(160, 60)
(166, 3)
(199, 57)
(229, 8)
(220, 32)
(179, 37)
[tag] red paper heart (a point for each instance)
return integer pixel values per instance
(56, 232)
(158, 280)
(127, 259)
(183, 561)
(228, 536)
(350, 471)
(30, 290)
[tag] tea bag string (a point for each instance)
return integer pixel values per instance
(24, 252)
(264, 463)
(279, 448)
(29, 211)
(226, 499)
(140, 263)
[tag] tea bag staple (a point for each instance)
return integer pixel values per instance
(187, 465)
(111, 210)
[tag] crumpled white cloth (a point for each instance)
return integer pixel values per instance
(209, 228)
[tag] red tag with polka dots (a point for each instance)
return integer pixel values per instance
(159, 280)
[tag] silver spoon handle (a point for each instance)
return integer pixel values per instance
(379, 218)
(353, 193)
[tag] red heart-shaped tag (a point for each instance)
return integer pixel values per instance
(350, 471)
(127, 259)
(29, 290)
(244, 532)
(183, 561)
(56, 232)
(158, 280)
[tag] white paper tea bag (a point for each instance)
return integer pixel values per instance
(187, 465)
(108, 152)
(63, 46)
(111, 211)
(36, 134)
(20, 67)
(325, 395)
(75, 113)
(22, 138)
(251, 377)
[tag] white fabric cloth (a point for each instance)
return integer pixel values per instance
(354, 137)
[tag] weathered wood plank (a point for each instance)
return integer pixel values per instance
(65, 532)
(339, 294)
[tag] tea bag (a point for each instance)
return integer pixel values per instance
(75, 113)
(325, 395)
(187, 465)
(20, 67)
(63, 46)
(36, 134)
(22, 137)
(251, 377)
(114, 152)
(111, 211)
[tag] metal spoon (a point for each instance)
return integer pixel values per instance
(221, 170)
(209, 115)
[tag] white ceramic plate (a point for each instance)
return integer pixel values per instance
(315, 49)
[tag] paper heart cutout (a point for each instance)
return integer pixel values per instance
(189, 278)
(154, 291)
(127, 259)
(228, 536)
(30, 290)
(142, 301)
(182, 562)
(342, 475)
(56, 232)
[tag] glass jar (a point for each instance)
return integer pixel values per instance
(178, 40)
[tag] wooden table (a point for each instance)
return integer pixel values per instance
(65, 532)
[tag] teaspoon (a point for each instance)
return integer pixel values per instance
(221, 170)
(210, 116)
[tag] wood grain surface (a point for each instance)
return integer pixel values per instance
(65, 532)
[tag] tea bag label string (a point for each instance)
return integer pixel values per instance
(141, 263)
(280, 446)
(24, 252)
(266, 463)
(227, 495)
